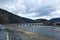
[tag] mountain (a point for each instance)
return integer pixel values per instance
(55, 20)
(8, 17)
(41, 20)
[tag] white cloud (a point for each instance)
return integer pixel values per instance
(29, 15)
(33, 8)
(56, 13)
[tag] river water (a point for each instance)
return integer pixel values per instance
(49, 31)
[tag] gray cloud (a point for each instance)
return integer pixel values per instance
(31, 9)
(45, 11)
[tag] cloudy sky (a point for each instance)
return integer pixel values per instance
(33, 9)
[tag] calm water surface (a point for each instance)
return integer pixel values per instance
(49, 31)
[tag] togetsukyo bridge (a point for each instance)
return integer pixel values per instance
(28, 24)
(13, 32)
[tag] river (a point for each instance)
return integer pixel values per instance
(49, 31)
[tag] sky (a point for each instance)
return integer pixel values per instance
(33, 9)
